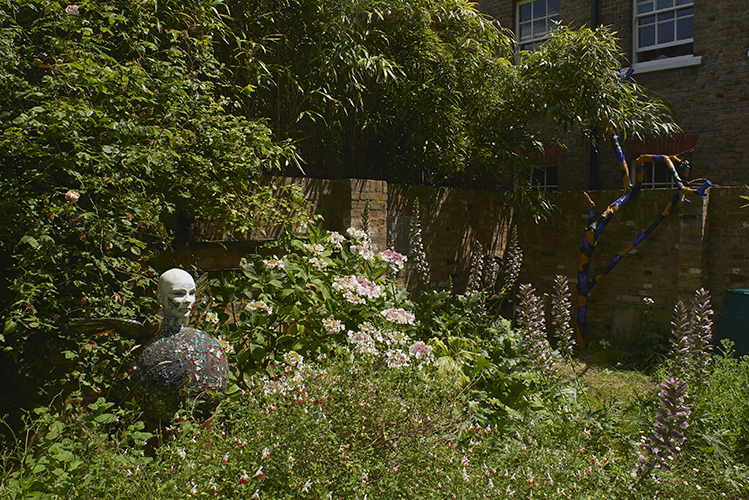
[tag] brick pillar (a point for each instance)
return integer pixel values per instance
(376, 193)
(692, 252)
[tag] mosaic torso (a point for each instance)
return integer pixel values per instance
(187, 365)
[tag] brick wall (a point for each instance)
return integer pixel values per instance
(700, 245)
(452, 222)
(703, 244)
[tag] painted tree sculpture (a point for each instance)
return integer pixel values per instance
(595, 226)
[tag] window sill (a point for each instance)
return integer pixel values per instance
(668, 63)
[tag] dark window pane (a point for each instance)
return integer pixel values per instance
(647, 36)
(647, 20)
(648, 171)
(661, 173)
(685, 28)
(684, 2)
(683, 49)
(552, 176)
(645, 6)
(666, 32)
(525, 12)
(539, 9)
(665, 4)
(666, 16)
(685, 12)
(553, 7)
(525, 31)
(539, 27)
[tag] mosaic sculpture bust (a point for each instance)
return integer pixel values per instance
(179, 363)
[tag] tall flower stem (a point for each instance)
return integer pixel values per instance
(417, 245)
(664, 445)
(532, 327)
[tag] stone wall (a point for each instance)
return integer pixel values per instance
(701, 244)
(453, 221)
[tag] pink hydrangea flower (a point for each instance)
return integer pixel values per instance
(397, 261)
(366, 253)
(396, 359)
(400, 316)
(420, 350)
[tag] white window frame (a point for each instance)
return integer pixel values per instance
(650, 167)
(539, 177)
(666, 62)
(534, 40)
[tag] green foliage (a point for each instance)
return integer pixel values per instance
(349, 429)
(425, 91)
(648, 346)
(118, 136)
(723, 399)
(350, 425)
(86, 450)
(322, 287)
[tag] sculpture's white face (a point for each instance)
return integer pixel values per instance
(177, 293)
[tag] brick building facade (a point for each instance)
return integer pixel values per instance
(694, 53)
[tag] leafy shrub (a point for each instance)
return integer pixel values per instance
(117, 139)
(83, 451)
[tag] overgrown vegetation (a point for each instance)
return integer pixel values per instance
(345, 388)
(425, 91)
(128, 127)
(118, 137)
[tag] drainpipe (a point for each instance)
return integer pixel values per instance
(593, 152)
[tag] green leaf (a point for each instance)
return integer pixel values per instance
(55, 429)
(258, 352)
(31, 241)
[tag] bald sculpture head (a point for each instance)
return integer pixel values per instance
(177, 295)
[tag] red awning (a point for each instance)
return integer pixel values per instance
(660, 145)
(550, 155)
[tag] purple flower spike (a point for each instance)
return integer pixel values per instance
(532, 327)
(665, 443)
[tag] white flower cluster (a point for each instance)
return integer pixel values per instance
(258, 305)
(335, 239)
(397, 261)
(293, 379)
(396, 359)
(227, 346)
(360, 236)
(363, 343)
(366, 253)
(420, 350)
(332, 325)
(314, 248)
(317, 263)
(356, 289)
(293, 358)
(399, 316)
(273, 263)
(72, 196)
(390, 345)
